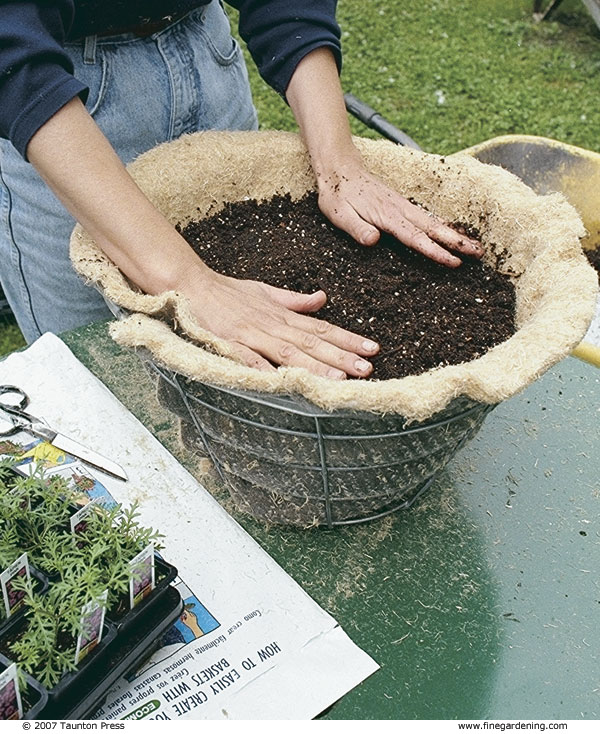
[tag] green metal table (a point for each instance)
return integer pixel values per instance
(480, 602)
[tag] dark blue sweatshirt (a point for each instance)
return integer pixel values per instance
(36, 75)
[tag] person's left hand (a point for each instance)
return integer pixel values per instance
(364, 206)
(350, 197)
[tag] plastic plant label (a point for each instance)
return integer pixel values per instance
(142, 579)
(14, 598)
(91, 625)
(81, 480)
(78, 519)
(11, 707)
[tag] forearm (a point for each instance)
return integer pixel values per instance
(80, 166)
(350, 196)
(316, 99)
(264, 325)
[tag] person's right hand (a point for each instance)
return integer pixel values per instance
(268, 326)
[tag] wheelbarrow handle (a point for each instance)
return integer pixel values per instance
(369, 117)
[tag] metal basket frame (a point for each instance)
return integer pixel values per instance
(301, 407)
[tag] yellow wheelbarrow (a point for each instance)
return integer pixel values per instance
(544, 164)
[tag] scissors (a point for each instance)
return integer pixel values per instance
(14, 408)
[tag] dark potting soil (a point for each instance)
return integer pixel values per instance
(593, 257)
(422, 314)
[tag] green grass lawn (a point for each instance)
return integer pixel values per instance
(452, 73)
(10, 336)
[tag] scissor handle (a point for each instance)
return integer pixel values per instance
(15, 410)
(13, 390)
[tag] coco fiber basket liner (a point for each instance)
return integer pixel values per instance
(305, 450)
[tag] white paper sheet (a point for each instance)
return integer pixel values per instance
(268, 650)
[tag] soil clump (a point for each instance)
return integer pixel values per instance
(593, 257)
(422, 314)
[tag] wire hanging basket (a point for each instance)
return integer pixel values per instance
(286, 461)
(295, 448)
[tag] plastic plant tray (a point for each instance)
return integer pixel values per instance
(34, 698)
(80, 692)
(165, 573)
(125, 654)
(127, 640)
(69, 679)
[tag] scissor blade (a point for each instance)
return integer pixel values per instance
(69, 446)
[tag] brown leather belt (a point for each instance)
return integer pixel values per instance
(143, 30)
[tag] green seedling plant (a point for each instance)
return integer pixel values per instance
(6, 475)
(112, 538)
(35, 517)
(46, 646)
(35, 510)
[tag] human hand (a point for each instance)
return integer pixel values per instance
(364, 206)
(350, 197)
(268, 326)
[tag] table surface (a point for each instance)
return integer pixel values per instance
(482, 600)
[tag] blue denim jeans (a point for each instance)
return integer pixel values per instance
(190, 76)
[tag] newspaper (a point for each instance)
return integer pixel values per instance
(249, 643)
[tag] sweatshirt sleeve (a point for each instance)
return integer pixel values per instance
(36, 75)
(279, 33)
